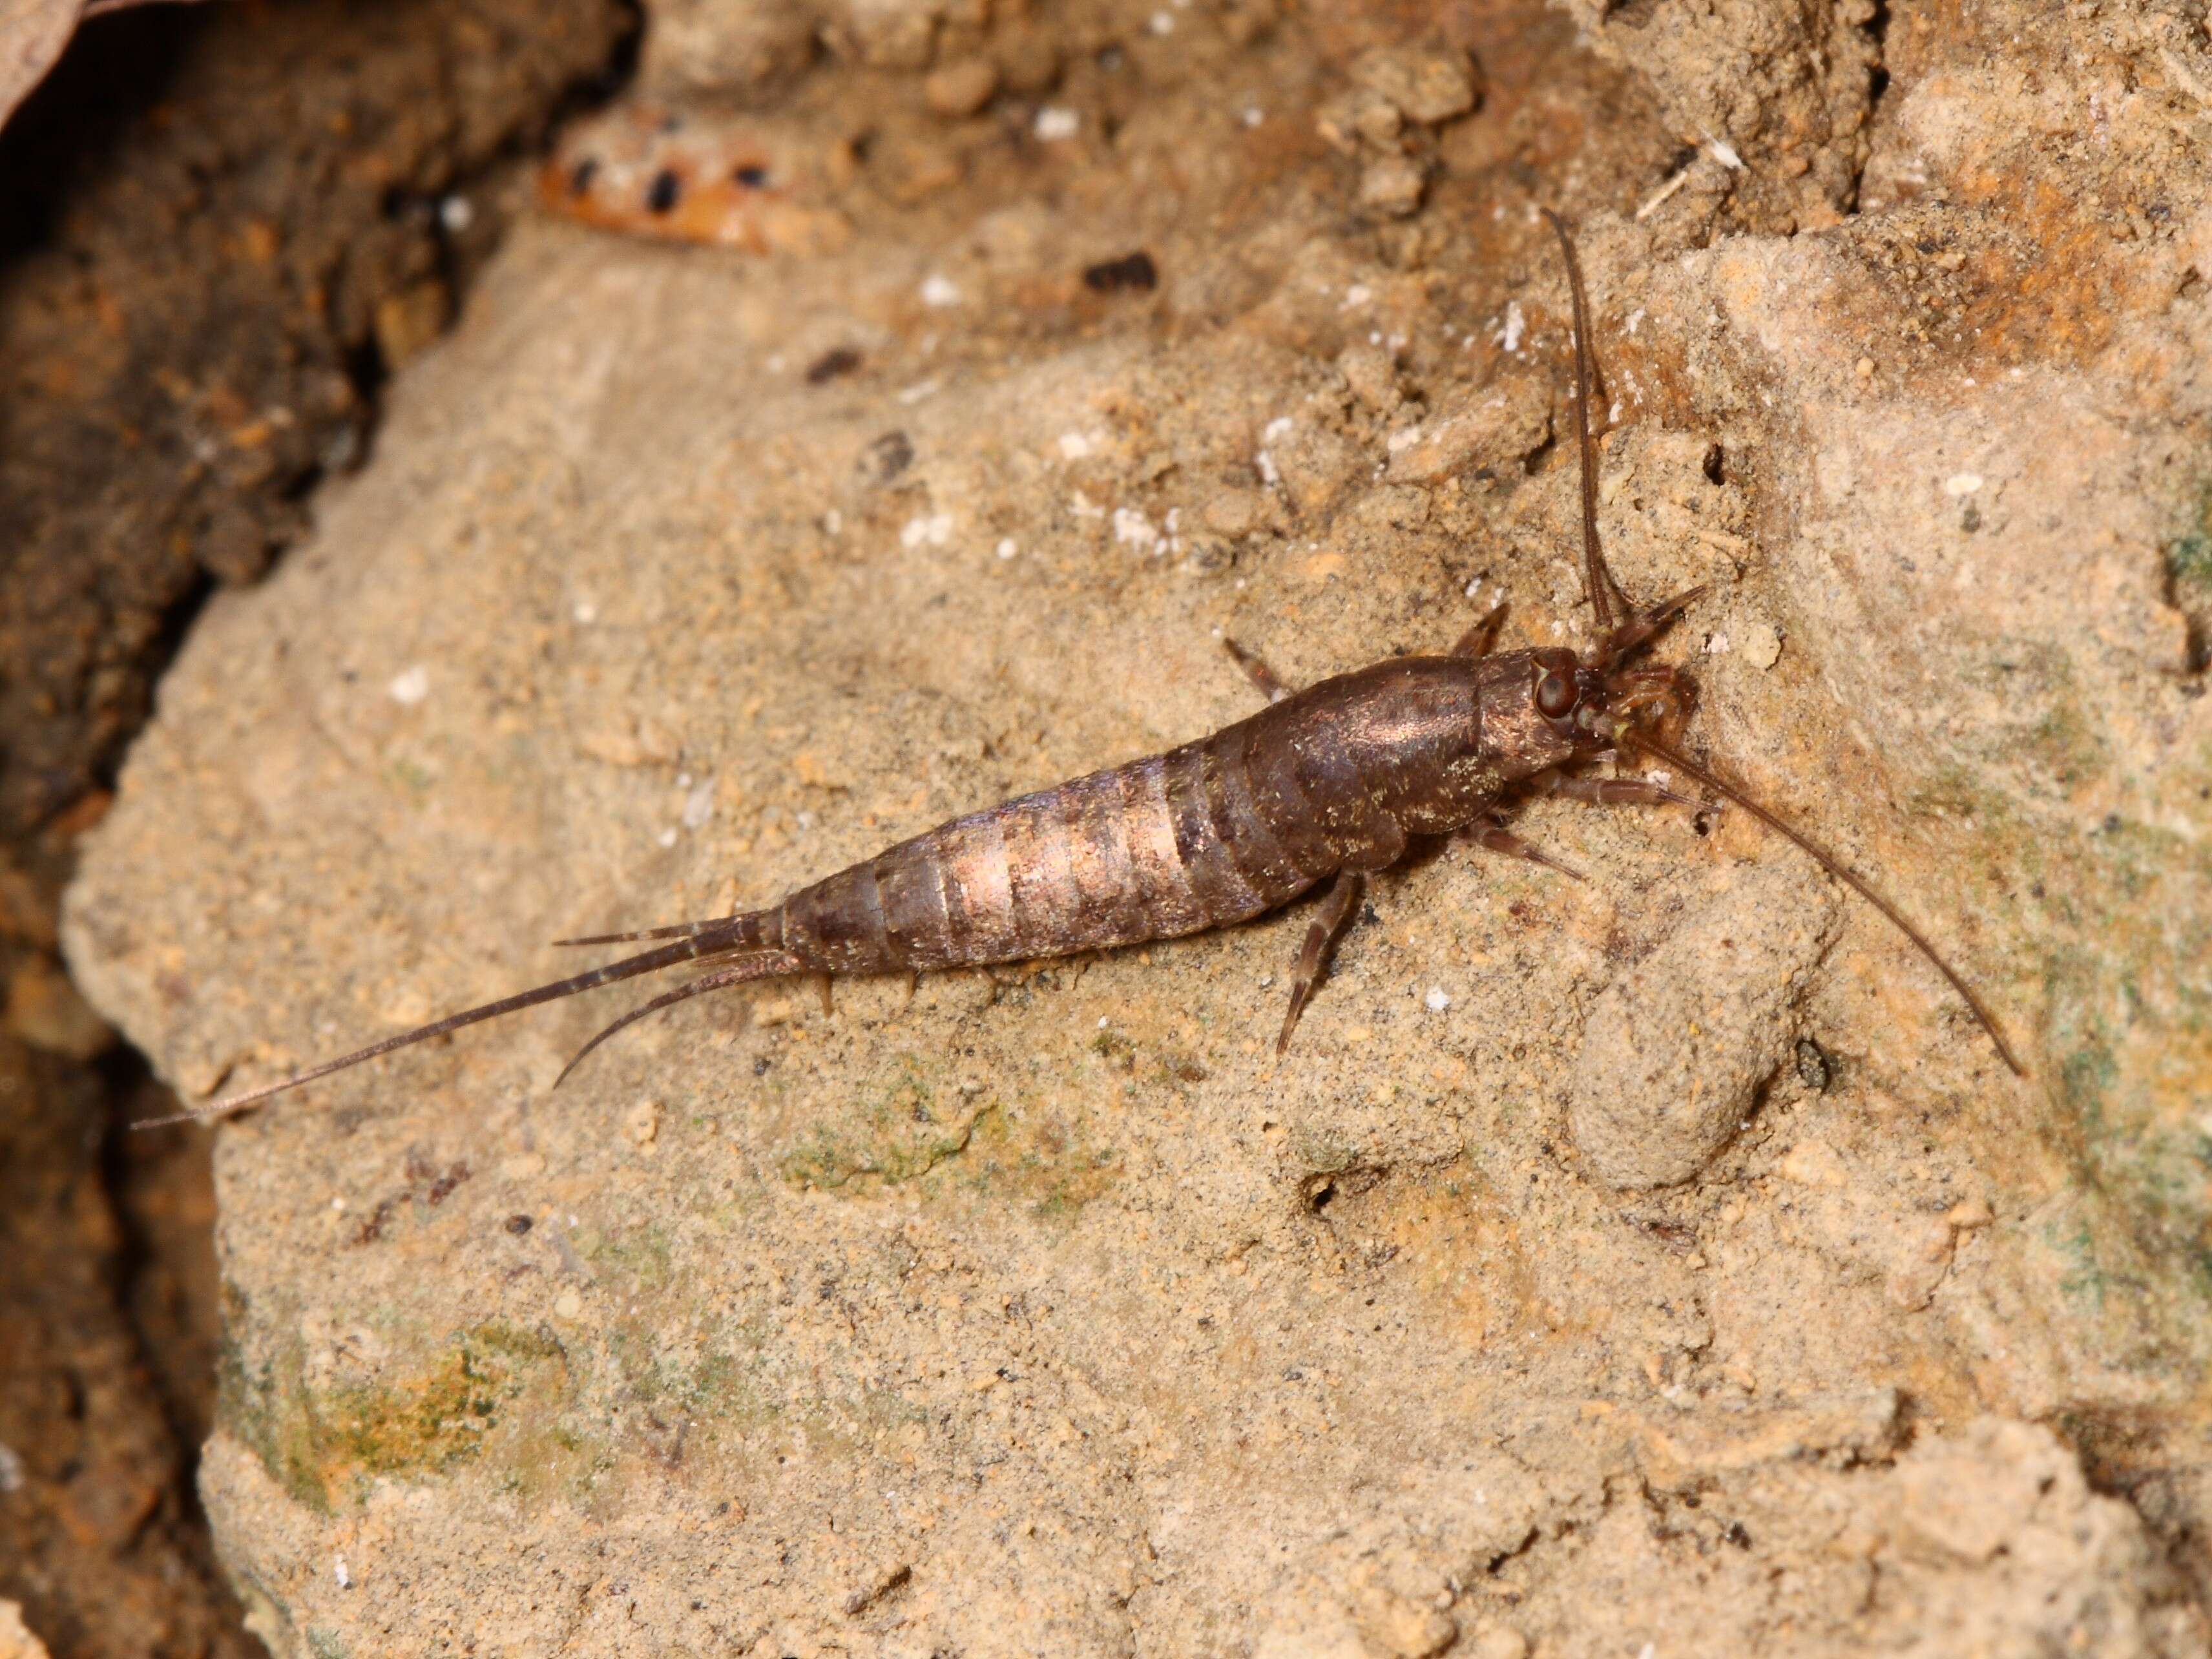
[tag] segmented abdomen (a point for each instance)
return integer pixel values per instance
(1160, 847)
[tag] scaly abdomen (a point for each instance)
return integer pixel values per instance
(1158, 847)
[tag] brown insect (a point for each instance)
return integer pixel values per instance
(1331, 783)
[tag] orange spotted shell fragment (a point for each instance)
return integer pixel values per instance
(683, 178)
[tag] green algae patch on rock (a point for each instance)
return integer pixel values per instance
(323, 1446)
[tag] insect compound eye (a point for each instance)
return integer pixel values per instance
(1555, 696)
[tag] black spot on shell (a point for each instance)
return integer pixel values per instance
(580, 175)
(751, 175)
(518, 1224)
(665, 191)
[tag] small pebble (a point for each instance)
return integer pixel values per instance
(1392, 186)
(960, 87)
(940, 292)
(1055, 124)
(1427, 87)
(410, 686)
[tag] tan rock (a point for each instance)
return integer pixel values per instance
(960, 87)
(1427, 87)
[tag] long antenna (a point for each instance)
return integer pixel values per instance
(1597, 581)
(1849, 878)
(1598, 584)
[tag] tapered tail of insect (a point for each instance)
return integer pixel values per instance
(706, 941)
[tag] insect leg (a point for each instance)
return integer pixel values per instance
(1478, 640)
(1257, 672)
(1497, 838)
(1611, 792)
(1336, 908)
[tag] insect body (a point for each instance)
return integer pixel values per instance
(1331, 783)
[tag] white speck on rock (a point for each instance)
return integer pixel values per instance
(410, 686)
(1276, 429)
(1163, 22)
(666, 838)
(1516, 326)
(1073, 445)
(1269, 473)
(585, 612)
(1007, 548)
(1253, 115)
(935, 528)
(1356, 295)
(920, 390)
(1054, 123)
(1960, 484)
(1438, 1000)
(341, 1572)
(939, 291)
(1132, 529)
(699, 805)
(11, 1470)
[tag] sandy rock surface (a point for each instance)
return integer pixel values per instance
(1047, 1311)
